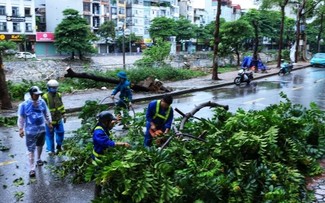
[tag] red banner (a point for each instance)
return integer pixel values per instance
(44, 36)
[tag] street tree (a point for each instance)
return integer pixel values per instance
(305, 9)
(128, 40)
(282, 4)
(162, 27)
(264, 25)
(233, 35)
(73, 34)
(319, 22)
(107, 31)
(4, 93)
(216, 43)
(184, 29)
(316, 29)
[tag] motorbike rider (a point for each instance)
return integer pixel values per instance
(286, 66)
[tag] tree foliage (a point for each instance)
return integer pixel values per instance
(233, 36)
(185, 30)
(73, 34)
(255, 156)
(155, 54)
(107, 30)
(162, 27)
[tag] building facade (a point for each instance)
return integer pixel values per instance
(17, 23)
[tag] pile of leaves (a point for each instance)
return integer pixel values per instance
(254, 156)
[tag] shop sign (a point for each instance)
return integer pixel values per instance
(45, 37)
(15, 19)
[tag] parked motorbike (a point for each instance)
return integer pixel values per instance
(243, 77)
(285, 68)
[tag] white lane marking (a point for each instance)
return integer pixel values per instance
(316, 81)
(297, 88)
(7, 162)
(253, 101)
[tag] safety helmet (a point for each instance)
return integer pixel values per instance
(105, 116)
(168, 99)
(52, 83)
(35, 90)
(121, 74)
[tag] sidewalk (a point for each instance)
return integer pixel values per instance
(75, 101)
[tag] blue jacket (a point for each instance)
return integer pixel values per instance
(160, 123)
(125, 91)
(101, 139)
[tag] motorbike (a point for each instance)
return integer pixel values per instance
(243, 77)
(285, 68)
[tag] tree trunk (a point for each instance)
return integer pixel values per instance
(256, 44)
(216, 44)
(154, 86)
(299, 15)
(320, 33)
(238, 57)
(281, 33)
(4, 94)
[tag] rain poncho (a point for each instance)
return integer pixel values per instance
(33, 115)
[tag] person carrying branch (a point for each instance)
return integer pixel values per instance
(125, 98)
(159, 118)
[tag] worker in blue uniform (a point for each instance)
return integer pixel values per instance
(159, 118)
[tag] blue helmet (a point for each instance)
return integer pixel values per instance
(121, 74)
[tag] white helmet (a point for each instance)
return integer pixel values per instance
(52, 83)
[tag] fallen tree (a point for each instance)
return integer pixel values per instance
(148, 85)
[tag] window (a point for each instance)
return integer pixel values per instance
(114, 11)
(87, 19)
(16, 27)
(86, 6)
(27, 12)
(28, 27)
(15, 11)
(3, 26)
(2, 10)
(121, 11)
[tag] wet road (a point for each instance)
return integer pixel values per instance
(303, 86)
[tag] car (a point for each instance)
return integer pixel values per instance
(23, 55)
(318, 60)
(10, 52)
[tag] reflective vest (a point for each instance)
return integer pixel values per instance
(96, 155)
(159, 115)
(55, 104)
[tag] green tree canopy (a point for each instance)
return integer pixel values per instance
(233, 35)
(73, 34)
(107, 30)
(162, 27)
(184, 29)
